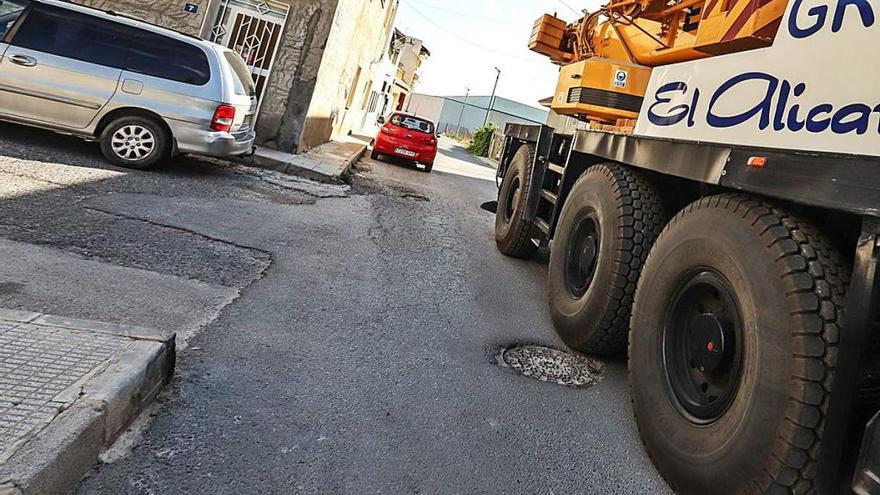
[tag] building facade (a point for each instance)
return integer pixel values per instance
(312, 60)
(408, 55)
(396, 77)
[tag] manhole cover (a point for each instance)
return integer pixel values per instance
(552, 365)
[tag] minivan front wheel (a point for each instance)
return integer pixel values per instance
(135, 142)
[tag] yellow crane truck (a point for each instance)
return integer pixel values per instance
(715, 214)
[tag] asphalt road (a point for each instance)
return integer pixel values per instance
(333, 344)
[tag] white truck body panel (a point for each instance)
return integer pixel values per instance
(816, 89)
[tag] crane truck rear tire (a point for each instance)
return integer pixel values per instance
(513, 234)
(733, 347)
(607, 227)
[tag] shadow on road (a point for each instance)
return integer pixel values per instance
(27, 143)
(400, 162)
(50, 194)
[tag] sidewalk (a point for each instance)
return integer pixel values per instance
(68, 388)
(330, 162)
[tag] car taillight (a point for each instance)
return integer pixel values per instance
(389, 130)
(224, 116)
(432, 140)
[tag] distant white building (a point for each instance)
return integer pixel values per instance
(464, 115)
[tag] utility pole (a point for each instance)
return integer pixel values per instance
(492, 99)
(460, 115)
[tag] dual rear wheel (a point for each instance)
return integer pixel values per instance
(732, 315)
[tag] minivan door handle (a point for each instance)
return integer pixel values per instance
(23, 60)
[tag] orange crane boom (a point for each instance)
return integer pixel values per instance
(607, 56)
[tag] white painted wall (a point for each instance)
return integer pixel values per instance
(429, 107)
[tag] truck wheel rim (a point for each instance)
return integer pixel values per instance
(703, 346)
(512, 199)
(583, 255)
(133, 142)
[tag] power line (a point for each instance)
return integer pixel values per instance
(459, 37)
(569, 7)
(463, 14)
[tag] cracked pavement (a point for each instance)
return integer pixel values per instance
(338, 340)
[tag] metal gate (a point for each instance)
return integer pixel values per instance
(254, 30)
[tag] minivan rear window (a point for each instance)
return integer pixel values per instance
(244, 82)
(157, 55)
(412, 123)
(74, 35)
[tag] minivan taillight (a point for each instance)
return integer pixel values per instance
(224, 116)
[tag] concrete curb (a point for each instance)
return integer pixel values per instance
(55, 458)
(309, 165)
(304, 170)
(354, 157)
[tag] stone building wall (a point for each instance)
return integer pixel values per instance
(165, 13)
(359, 33)
(292, 83)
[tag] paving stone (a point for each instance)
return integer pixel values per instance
(37, 364)
(67, 389)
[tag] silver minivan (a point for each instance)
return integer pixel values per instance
(145, 93)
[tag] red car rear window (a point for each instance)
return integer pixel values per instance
(413, 123)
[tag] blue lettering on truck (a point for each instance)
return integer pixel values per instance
(776, 106)
(673, 115)
(819, 16)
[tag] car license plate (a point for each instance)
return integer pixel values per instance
(401, 151)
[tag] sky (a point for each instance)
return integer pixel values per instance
(469, 38)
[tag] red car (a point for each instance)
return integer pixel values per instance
(407, 136)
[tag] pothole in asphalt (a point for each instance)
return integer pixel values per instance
(552, 365)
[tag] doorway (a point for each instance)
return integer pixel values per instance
(254, 30)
